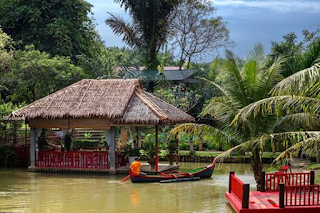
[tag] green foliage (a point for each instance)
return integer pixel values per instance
(131, 152)
(6, 53)
(68, 141)
(42, 141)
(148, 145)
(34, 75)
(249, 81)
(172, 146)
(299, 54)
(7, 128)
(110, 62)
(85, 143)
(149, 27)
(56, 27)
(7, 156)
(179, 96)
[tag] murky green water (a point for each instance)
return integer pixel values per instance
(22, 191)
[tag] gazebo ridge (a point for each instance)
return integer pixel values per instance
(99, 104)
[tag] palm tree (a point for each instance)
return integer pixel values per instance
(296, 101)
(249, 81)
(149, 27)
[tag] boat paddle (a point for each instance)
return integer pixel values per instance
(124, 179)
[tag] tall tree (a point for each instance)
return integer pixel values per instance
(195, 29)
(58, 27)
(296, 101)
(6, 57)
(149, 27)
(35, 74)
(248, 82)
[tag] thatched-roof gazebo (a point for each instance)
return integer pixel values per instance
(99, 104)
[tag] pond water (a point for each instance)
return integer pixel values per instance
(24, 192)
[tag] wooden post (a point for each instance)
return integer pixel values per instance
(312, 177)
(281, 195)
(156, 148)
(230, 174)
(245, 196)
(124, 137)
(200, 144)
(263, 182)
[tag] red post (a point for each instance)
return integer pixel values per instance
(156, 148)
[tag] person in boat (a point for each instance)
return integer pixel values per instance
(135, 167)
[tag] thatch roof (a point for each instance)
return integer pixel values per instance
(121, 100)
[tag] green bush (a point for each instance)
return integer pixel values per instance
(7, 156)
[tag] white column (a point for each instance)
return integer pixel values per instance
(33, 139)
(110, 136)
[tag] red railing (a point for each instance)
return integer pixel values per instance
(302, 195)
(272, 181)
(236, 186)
(87, 160)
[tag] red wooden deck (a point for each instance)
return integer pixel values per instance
(267, 202)
(296, 196)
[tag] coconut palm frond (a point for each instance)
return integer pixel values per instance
(303, 119)
(297, 81)
(241, 147)
(221, 89)
(272, 76)
(237, 88)
(217, 107)
(276, 105)
(201, 129)
(302, 145)
(120, 27)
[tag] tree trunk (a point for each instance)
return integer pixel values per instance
(257, 166)
(317, 153)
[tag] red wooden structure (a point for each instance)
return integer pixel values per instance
(81, 160)
(280, 192)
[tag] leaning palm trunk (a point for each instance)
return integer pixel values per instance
(257, 166)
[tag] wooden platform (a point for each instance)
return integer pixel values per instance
(267, 202)
(279, 192)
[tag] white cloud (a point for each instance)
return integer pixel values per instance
(308, 6)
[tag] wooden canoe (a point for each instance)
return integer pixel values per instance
(202, 172)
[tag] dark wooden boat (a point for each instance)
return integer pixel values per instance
(202, 172)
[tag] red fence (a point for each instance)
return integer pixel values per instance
(236, 186)
(88, 160)
(302, 195)
(272, 181)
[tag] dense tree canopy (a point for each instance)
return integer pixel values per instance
(6, 51)
(58, 27)
(149, 27)
(35, 74)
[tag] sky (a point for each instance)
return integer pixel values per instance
(249, 21)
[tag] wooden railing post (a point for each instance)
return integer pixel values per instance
(312, 177)
(245, 196)
(263, 182)
(281, 195)
(230, 175)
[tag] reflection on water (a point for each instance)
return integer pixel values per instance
(21, 191)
